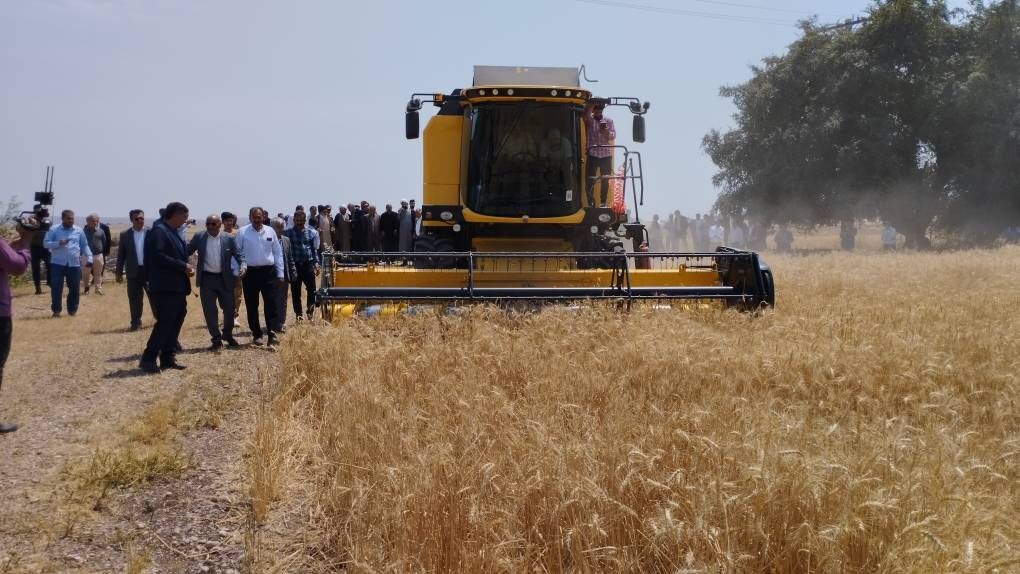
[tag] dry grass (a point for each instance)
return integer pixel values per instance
(869, 424)
(147, 450)
(138, 559)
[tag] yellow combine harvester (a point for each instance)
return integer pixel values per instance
(510, 212)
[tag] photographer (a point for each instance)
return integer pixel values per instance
(40, 258)
(14, 259)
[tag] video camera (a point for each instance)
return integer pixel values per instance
(39, 217)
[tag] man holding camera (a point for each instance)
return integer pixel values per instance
(14, 259)
(68, 248)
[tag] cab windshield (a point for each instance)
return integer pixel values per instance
(523, 159)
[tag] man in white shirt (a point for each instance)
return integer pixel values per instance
(261, 249)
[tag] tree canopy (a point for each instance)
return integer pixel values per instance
(911, 115)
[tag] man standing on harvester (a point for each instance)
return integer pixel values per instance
(600, 131)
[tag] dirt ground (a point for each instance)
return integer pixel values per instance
(87, 413)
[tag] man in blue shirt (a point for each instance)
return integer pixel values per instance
(67, 246)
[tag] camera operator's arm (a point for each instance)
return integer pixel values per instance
(14, 257)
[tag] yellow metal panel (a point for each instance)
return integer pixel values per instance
(441, 194)
(441, 149)
(515, 275)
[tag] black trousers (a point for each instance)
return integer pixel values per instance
(305, 277)
(6, 330)
(262, 281)
(137, 290)
(40, 255)
(216, 290)
(605, 165)
(170, 310)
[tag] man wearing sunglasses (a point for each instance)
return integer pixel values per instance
(131, 259)
(220, 263)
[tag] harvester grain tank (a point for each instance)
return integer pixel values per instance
(512, 212)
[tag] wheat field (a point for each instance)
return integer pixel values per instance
(871, 423)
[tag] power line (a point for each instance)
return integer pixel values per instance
(695, 13)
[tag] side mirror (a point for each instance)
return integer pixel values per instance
(639, 129)
(411, 124)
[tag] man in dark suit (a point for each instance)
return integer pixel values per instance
(215, 279)
(131, 258)
(168, 270)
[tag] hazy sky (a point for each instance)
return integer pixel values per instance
(223, 104)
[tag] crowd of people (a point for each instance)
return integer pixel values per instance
(263, 263)
(361, 227)
(677, 232)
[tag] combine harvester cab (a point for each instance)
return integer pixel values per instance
(513, 211)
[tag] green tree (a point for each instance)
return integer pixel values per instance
(980, 147)
(881, 119)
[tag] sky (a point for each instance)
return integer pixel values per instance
(225, 104)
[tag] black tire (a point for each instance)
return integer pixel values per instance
(432, 244)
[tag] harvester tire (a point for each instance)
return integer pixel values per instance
(429, 244)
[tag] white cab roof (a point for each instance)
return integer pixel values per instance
(525, 76)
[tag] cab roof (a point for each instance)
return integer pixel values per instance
(525, 76)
